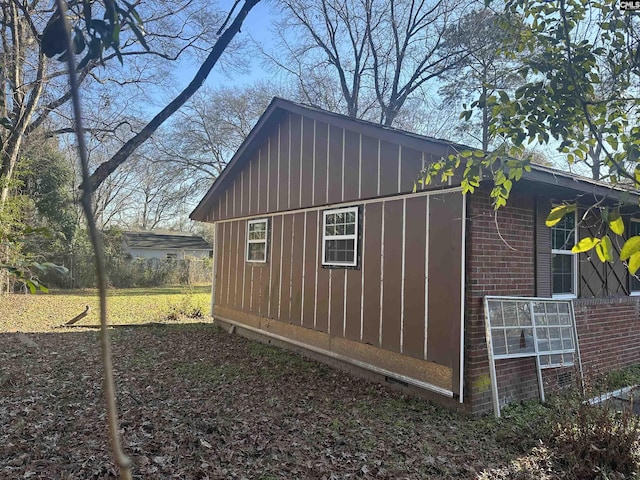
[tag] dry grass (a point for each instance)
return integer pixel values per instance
(42, 312)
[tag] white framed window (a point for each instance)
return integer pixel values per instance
(257, 240)
(634, 282)
(340, 237)
(564, 263)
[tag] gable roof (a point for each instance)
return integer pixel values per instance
(165, 241)
(278, 107)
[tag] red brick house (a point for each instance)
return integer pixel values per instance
(322, 245)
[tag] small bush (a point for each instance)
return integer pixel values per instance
(187, 307)
(596, 441)
(584, 441)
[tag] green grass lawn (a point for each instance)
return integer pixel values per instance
(41, 312)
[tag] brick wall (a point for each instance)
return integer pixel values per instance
(608, 332)
(608, 328)
(517, 380)
(496, 266)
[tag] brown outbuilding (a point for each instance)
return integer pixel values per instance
(323, 244)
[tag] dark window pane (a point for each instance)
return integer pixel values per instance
(257, 251)
(562, 269)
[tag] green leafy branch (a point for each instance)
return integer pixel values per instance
(603, 245)
(478, 166)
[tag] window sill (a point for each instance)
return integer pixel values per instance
(567, 296)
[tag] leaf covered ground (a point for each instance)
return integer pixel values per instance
(199, 403)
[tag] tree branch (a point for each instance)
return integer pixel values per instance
(106, 168)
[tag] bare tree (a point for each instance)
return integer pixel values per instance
(35, 90)
(207, 131)
(377, 52)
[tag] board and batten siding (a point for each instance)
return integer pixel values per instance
(405, 296)
(304, 162)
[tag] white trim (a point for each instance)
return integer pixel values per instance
(270, 271)
(289, 174)
(381, 277)
(280, 271)
(343, 358)
(343, 142)
(329, 307)
(326, 193)
(304, 266)
(404, 249)
(359, 165)
(278, 184)
(266, 207)
(238, 262)
(313, 177)
(315, 262)
(378, 190)
(362, 252)
(251, 292)
(344, 313)
(426, 277)
(229, 262)
(293, 242)
(300, 163)
(265, 241)
(463, 262)
(574, 263)
(352, 236)
(399, 167)
(214, 267)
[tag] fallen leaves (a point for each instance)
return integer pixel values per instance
(197, 403)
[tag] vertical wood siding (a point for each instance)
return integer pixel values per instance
(263, 178)
(334, 185)
(445, 225)
(284, 165)
(351, 165)
(392, 301)
(372, 213)
(369, 167)
(389, 159)
(305, 162)
(391, 291)
(295, 160)
(297, 269)
(285, 284)
(310, 263)
(415, 277)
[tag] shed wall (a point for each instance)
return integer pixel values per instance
(305, 162)
(394, 302)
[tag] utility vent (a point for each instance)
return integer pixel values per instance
(565, 379)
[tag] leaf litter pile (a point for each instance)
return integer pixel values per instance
(199, 403)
